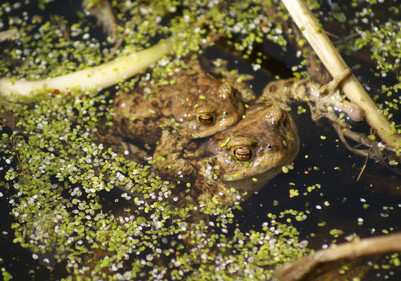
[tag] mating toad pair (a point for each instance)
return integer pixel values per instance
(199, 128)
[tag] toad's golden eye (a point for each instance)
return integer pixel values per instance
(242, 153)
(206, 118)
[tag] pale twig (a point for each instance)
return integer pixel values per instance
(334, 63)
(299, 269)
(365, 164)
(89, 79)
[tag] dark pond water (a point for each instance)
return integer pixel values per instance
(365, 207)
(344, 190)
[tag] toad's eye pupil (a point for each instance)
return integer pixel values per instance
(206, 119)
(242, 153)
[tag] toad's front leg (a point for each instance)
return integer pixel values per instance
(323, 100)
(330, 96)
(168, 157)
(319, 97)
(335, 84)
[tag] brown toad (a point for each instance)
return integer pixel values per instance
(167, 117)
(253, 151)
(247, 155)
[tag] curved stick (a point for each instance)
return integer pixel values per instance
(297, 270)
(89, 79)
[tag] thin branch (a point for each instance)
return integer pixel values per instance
(297, 270)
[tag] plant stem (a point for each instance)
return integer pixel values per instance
(335, 64)
(297, 270)
(89, 79)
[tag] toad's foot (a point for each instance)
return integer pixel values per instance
(335, 84)
(330, 97)
(122, 146)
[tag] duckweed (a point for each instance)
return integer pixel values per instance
(60, 179)
(44, 41)
(60, 182)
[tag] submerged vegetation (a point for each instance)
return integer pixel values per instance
(78, 205)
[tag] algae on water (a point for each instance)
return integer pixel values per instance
(78, 204)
